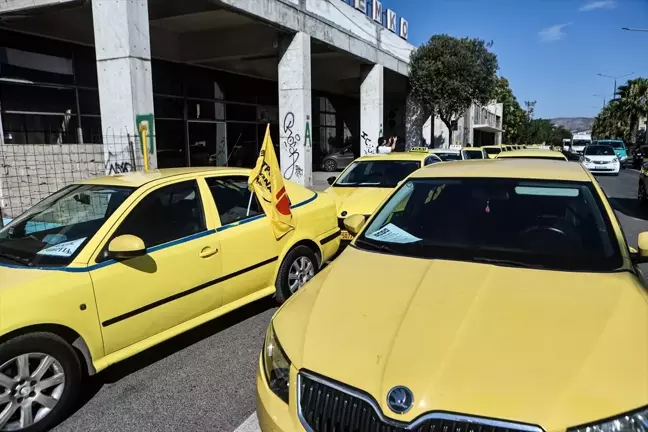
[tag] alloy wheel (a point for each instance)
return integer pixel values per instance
(31, 385)
(329, 165)
(301, 271)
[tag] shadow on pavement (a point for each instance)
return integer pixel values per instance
(630, 207)
(114, 373)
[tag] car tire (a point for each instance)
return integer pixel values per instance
(330, 165)
(295, 272)
(642, 197)
(58, 386)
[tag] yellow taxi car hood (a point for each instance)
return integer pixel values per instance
(557, 349)
(11, 276)
(362, 200)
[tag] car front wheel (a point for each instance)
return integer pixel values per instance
(40, 376)
(330, 165)
(299, 266)
(641, 193)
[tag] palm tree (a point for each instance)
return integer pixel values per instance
(620, 118)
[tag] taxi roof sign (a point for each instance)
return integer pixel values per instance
(455, 147)
(420, 149)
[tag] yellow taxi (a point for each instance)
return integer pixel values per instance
(365, 183)
(494, 296)
(493, 151)
(108, 267)
(533, 154)
(468, 153)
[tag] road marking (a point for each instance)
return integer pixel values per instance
(251, 424)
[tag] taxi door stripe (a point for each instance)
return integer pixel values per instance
(185, 293)
(331, 237)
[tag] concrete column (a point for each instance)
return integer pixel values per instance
(221, 128)
(372, 105)
(123, 51)
(295, 127)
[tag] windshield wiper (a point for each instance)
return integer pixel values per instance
(506, 263)
(377, 246)
(16, 259)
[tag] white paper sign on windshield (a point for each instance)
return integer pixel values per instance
(66, 249)
(392, 234)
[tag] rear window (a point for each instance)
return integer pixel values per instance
(492, 151)
(473, 154)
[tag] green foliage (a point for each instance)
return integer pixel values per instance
(539, 131)
(448, 74)
(620, 118)
(514, 117)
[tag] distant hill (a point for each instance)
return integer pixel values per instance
(574, 124)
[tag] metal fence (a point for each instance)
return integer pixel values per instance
(31, 172)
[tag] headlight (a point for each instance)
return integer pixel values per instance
(636, 421)
(624, 157)
(615, 160)
(587, 160)
(276, 365)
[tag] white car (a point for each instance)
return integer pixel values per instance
(601, 159)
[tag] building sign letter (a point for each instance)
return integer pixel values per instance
(404, 28)
(361, 5)
(376, 11)
(391, 20)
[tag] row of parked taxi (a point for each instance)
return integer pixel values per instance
(489, 294)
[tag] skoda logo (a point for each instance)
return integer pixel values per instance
(400, 399)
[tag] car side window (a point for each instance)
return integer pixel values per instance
(166, 214)
(430, 160)
(233, 199)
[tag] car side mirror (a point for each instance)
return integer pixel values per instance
(126, 246)
(330, 180)
(354, 223)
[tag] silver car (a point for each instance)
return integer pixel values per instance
(338, 160)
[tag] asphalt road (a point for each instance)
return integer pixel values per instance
(204, 380)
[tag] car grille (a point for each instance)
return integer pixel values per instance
(329, 408)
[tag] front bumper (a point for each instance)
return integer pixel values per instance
(602, 168)
(273, 413)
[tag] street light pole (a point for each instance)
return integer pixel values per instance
(601, 96)
(615, 81)
(634, 29)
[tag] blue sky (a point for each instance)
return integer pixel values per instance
(550, 50)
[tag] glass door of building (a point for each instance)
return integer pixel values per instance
(207, 143)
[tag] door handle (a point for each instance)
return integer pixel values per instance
(207, 252)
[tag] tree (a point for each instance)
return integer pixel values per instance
(513, 115)
(620, 117)
(448, 74)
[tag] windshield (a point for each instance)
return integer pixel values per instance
(599, 150)
(473, 154)
(613, 144)
(527, 223)
(581, 143)
(377, 173)
(492, 150)
(55, 230)
(450, 156)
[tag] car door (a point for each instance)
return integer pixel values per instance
(173, 282)
(249, 249)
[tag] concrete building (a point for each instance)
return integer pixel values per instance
(207, 75)
(479, 126)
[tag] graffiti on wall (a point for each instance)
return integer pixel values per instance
(367, 146)
(290, 143)
(117, 165)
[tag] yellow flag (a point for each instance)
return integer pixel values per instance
(267, 183)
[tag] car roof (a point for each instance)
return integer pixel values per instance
(477, 149)
(138, 178)
(395, 156)
(532, 153)
(506, 168)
